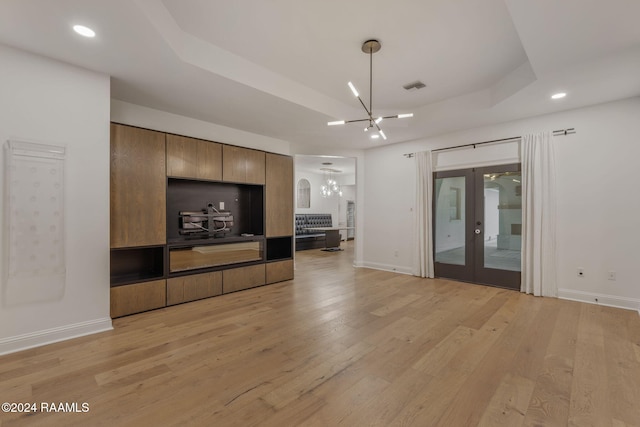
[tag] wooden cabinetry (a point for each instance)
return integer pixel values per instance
(129, 299)
(193, 158)
(154, 178)
(194, 287)
(279, 271)
(138, 187)
(279, 195)
(243, 165)
(237, 279)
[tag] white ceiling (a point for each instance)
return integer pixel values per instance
(279, 68)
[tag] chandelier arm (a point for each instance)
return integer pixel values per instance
(365, 107)
(355, 121)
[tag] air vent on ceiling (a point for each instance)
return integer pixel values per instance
(414, 86)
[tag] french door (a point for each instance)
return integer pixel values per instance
(477, 215)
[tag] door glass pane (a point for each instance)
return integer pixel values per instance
(450, 220)
(502, 220)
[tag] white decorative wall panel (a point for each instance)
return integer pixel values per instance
(34, 214)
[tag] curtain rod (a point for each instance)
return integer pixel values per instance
(568, 131)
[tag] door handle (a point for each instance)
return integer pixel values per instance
(477, 231)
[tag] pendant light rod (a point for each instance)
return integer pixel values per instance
(370, 80)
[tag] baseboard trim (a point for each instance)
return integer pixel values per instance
(600, 299)
(386, 267)
(50, 336)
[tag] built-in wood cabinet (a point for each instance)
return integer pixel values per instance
(138, 187)
(164, 185)
(193, 158)
(279, 271)
(237, 279)
(193, 287)
(138, 297)
(243, 165)
(279, 195)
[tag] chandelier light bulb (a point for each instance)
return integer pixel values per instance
(330, 186)
(353, 89)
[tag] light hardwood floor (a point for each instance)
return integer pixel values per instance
(344, 346)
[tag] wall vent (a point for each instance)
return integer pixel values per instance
(414, 86)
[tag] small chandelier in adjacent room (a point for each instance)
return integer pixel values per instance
(330, 186)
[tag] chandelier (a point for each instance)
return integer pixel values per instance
(370, 47)
(330, 186)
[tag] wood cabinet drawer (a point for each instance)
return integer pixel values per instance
(129, 299)
(237, 279)
(194, 287)
(279, 271)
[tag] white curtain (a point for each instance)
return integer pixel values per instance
(423, 238)
(538, 215)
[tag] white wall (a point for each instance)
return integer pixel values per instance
(319, 204)
(598, 203)
(492, 214)
(348, 194)
(53, 103)
(149, 118)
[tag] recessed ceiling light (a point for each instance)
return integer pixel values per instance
(84, 31)
(558, 95)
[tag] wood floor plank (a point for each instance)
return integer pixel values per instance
(590, 387)
(509, 403)
(623, 368)
(344, 346)
(385, 408)
(492, 351)
(342, 405)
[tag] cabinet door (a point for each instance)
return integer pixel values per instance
(138, 187)
(194, 287)
(279, 195)
(129, 299)
(193, 158)
(237, 279)
(255, 167)
(243, 165)
(279, 271)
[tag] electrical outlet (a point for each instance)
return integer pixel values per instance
(395, 254)
(611, 275)
(221, 206)
(580, 272)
